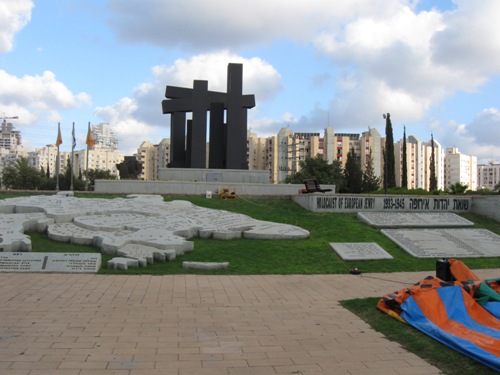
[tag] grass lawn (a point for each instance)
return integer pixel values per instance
(309, 256)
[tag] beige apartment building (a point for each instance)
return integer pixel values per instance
(488, 175)
(460, 168)
(418, 158)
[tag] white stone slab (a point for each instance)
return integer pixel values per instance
(206, 265)
(359, 250)
(120, 263)
(413, 219)
(146, 254)
(50, 262)
(446, 243)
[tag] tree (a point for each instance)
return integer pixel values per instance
(318, 168)
(390, 172)
(497, 188)
(432, 169)
(370, 181)
(99, 174)
(457, 188)
(353, 174)
(20, 175)
(404, 166)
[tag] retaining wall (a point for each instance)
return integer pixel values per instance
(197, 188)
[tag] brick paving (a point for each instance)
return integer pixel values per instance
(86, 324)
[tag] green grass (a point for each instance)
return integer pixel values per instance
(446, 359)
(308, 256)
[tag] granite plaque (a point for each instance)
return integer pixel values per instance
(446, 243)
(413, 219)
(359, 251)
(50, 262)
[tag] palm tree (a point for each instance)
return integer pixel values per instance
(20, 175)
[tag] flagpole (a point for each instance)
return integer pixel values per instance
(73, 157)
(90, 143)
(58, 142)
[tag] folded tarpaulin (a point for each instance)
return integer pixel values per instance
(463, 313)
(451, 316)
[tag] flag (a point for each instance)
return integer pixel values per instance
(74, 139)
(59, 136)
(90, 138)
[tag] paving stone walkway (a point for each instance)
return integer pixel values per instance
(83, 324)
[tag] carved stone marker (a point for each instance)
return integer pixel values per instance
(359, 250)
(413, 219)
(446, 243)
(50, 262)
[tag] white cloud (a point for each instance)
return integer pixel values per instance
(14, 15)
(129, 130)
(35, 97)
(470, 42)
(217, 24)
(142, 113)
(479, 137)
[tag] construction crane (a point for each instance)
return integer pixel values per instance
(5, 118)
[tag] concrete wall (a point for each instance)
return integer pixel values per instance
(487, 205)
(214, 175)
(344, 203)
(196, 188)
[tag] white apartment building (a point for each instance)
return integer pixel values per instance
(418, 158)
(488, 175)
(460, 168)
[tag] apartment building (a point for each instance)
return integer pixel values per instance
(488, 175)
(460, 168)
(103, 156)
(153, 157)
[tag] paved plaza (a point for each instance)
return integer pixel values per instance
(90, 324)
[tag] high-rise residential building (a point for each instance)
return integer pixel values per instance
(10, 139)
(371, 146)
(344, 143)
(329, 150)
(488, 175)
(257, 155)
(153, 157)
(418, 158)
(294, 148)
(460, 168)
(10, 145)
(104, 136)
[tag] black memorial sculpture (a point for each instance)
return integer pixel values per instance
(228, 141)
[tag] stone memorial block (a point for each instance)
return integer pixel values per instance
(413, 219)
(446, 243)
(205, 265)
(50, 262)
(359, 251)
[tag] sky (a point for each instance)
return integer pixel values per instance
(434, 65)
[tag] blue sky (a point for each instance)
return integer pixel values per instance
(434, 65)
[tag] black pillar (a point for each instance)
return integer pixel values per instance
(236, 146)
(217, 147)
(178, 140)
(198, 151)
